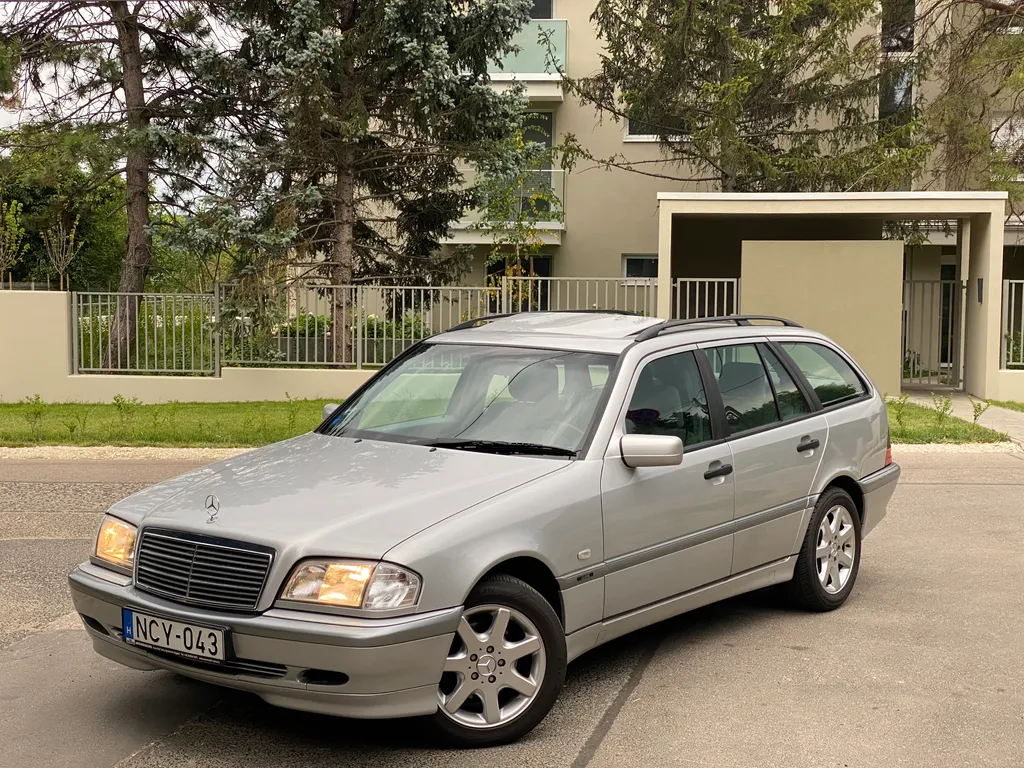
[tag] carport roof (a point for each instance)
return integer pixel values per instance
(924, 205)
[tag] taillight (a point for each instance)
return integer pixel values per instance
(888, 451)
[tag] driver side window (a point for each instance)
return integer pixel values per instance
(669, 399)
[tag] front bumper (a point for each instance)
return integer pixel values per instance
(390, 667)
(877, 489)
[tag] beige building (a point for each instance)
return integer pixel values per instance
(609, 230)
(610, 216)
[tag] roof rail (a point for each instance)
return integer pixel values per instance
(681, 325)
(488, 318)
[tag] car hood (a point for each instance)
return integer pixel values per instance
(331, 495)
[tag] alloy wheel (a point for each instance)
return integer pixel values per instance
(494, 668)
(836, 549)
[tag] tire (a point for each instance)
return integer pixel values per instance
(809, 589)
(529, 618)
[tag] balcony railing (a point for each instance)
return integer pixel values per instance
(535, 57)
(548, 183)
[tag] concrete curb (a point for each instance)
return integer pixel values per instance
(1006, 447)
(208, 455)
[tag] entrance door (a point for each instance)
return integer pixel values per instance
(931, 331)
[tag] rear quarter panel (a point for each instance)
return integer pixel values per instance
(551, 519)
(857, 439)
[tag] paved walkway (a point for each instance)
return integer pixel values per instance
(920, 668)
(1000, 419)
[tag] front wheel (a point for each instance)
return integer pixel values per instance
(829, 559)
(505, 667)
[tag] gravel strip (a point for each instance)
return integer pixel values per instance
(117, 453)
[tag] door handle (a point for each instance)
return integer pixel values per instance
(808, 445)
(720, 471)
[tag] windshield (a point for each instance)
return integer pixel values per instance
(476, 397)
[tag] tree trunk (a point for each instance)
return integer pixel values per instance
(139, 252)
(343, 260)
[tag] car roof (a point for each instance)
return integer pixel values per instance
(602, 332)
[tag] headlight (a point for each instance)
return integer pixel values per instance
(352, 584)
(115, 543)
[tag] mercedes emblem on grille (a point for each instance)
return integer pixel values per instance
(212, 507)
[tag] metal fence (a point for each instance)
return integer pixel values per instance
(309, 324)
(144, 333)
(1013, 325)
(693, 298)
(931, 312)
(298, 326)
(530, 294)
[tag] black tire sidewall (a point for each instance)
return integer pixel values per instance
(514, 593)
(829, 499)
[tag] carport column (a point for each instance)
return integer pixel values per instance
(665, 259)
(984, 282)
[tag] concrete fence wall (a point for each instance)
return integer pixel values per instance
(35, 347)
(849, 290)
(35, 359)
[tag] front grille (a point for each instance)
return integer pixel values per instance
(200, 570)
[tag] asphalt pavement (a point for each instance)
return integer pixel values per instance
(921, 667)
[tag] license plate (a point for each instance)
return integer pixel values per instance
(174, 636)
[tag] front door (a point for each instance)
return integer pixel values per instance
(660, 522)
(777, 444)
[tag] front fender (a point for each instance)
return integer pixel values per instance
(551, 519)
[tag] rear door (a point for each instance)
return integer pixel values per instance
(776, 436)
(857, 429)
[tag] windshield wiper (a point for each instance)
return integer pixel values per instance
(502, 446)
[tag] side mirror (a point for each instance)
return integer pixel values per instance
(328, 410)
(651, 450)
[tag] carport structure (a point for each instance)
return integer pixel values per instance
(821, 260)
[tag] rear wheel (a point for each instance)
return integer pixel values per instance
(505, 667)
(829, 559)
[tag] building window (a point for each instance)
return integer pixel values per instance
(639, 266)
(542, 9)
(896, 98)
(638, 130)
(1008, 138)
(898, 25)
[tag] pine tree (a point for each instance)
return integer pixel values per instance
(976, 118)
(358, 116)
(754, 95)
(141, 74)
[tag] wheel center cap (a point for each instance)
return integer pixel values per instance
(486, 665)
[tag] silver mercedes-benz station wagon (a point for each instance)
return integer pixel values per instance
(497, 501)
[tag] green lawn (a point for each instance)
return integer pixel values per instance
(251, 424)
(911, 423)
(171, 424)
(1013, 405)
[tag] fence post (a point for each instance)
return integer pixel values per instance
(357, 319)
(73, 316)
(216, 330)
(504, 309)
(1005, 330)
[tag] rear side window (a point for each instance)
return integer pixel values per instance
(788, 396)
(829, 375)
(746, 392)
